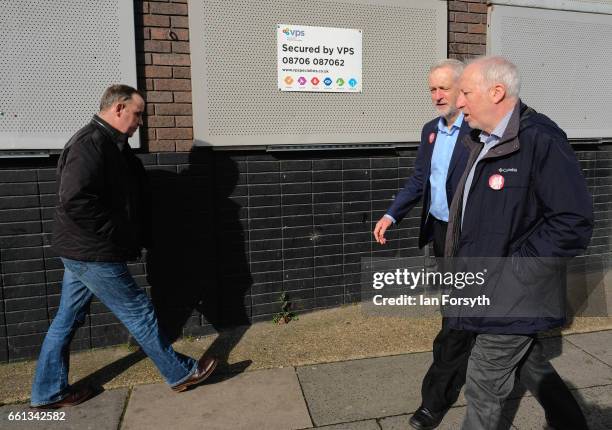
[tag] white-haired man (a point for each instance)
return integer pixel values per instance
(522, 200)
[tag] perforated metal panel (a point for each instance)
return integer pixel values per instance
(597, 6)
(56, 59)
(235, 96)
(564, 59)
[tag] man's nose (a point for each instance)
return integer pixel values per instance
(439, 94)
(460, 103)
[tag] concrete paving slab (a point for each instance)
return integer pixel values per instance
(264, 399)
(576, 367)
(525, 413)
(597, 344)
(452, 421)
(596, 403)
(100, 413)
(359, 425)
(363, 389)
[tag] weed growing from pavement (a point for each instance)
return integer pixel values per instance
(285, 315)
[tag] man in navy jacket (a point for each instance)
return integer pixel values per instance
(440, 162)
(522, 201)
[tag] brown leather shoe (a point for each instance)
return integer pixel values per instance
(72, 399)
(206, 365)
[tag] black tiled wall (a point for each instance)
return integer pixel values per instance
(232, 230)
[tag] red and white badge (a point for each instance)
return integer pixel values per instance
(496, 182)
(432, 138)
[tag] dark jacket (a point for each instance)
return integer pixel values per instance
(418, 186)
(541, 216)
(103, 211)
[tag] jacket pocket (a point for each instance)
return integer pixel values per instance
(504, 206)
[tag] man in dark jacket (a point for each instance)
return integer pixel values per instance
(102, 220)
(523, 201)
(440, 162)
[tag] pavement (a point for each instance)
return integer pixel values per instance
(378, 393)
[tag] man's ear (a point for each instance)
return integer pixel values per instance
(498, 93)
(118, 108)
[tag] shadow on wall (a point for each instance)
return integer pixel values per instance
(198, 267)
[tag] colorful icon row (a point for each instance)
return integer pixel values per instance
(289, 80)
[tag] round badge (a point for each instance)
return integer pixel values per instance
(432, 137)
(496, 182)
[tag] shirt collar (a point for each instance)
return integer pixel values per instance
(449, 130)
(119, 138)
(499, 130)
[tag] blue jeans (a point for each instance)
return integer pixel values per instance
(115, 287)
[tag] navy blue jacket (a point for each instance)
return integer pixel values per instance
(418, 186)
(542, 213)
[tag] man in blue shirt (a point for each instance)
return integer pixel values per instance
(440, 162)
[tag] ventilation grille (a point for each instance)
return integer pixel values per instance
(564, 60)
(56, 59)
(596, 6)
(234, 62)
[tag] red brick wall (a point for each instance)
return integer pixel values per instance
(467, 28)
(162, 45)
(164, 73)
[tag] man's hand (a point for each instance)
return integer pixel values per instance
(379, 231)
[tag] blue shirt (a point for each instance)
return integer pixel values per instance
(489, 140)
(440, 161)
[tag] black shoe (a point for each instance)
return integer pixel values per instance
(424, 419)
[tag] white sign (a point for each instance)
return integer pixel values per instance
(318, 59)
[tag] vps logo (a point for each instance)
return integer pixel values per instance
(328, 81)
(352, 82)
(293, 33)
